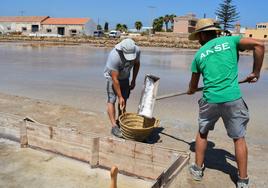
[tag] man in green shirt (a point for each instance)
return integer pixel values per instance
(217, 62)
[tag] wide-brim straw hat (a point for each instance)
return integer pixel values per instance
(205, 24)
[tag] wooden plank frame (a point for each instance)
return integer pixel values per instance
(145, 161)
(10, 126)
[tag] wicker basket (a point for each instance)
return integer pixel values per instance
(135, 127)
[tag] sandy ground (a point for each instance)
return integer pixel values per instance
(220, 163)
(54, 114)
(33, 168)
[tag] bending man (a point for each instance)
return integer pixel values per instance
(123, 57)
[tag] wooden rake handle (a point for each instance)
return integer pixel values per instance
(113, 173)
(184, 93)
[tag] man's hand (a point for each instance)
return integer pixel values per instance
(132, 84)
(121, 102)
(252, 78)
(190, 91)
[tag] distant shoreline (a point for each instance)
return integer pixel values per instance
(156, 43)
(163, 42)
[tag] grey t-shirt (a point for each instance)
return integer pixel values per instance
(116, 62)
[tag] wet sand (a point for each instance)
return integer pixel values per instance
(72, 76)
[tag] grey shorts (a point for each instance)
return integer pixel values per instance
(234, 115)
(111, 94)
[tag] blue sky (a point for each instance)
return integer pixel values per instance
(129, 11)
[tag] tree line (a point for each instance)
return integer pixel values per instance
(226, 14)
(120, 27)
(158, 24)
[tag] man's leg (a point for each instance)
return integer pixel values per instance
(241, 154)
(196, 169)
(200, 148)
(236, 117)
(111, 113)
(111, 100)
(111, 108)
(208, 116)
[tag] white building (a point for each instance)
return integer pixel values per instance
(46, 26)
(68, 26)
(143, 29)
(23, 24)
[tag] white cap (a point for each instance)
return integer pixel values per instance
(128, 47)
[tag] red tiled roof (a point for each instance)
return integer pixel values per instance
(65, 21)
(22, 18)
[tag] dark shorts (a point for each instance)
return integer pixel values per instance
(234, 115)
(111, 94)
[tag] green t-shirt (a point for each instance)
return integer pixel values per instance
(217, 61)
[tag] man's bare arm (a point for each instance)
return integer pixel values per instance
(193, 85)
(258, 54)
(136, 69)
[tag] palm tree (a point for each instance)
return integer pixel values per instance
(99, 27)
(138, 25)
(171, 19)
(124, 27)
(121, 27)
(118, 27)
(158, 24)
(106, 26)
(166, 20)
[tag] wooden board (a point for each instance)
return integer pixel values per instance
(10, 126)
(139, 159)
(172, 171)
(66, 141)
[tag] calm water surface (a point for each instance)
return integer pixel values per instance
(73, 75)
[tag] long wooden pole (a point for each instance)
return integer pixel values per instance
(114, 172)
(184, 93)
